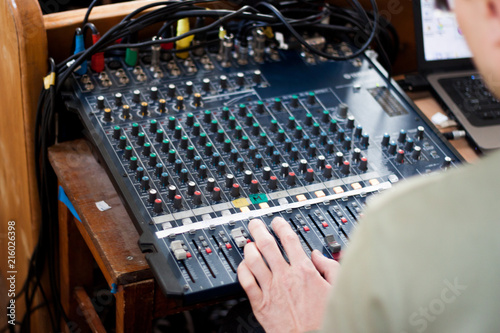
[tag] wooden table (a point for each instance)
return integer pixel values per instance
(110, 239)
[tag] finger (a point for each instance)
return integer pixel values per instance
(329, 268)
(267, 246)
(290, 241)
(248, 283)
(256, 264)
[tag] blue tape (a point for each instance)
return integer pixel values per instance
(114, 288)
(64, 199)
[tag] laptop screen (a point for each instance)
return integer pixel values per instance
(442, 37)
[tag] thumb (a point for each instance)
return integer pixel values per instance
(329, 268)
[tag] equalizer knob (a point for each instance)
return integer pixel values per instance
(202, 171)
(179, 105)
(171, 155)
(276, 157)
(338, 159)
(137, 96)
(417, 151)
(420, 133)
(309, 177)
(273, 183)
(210, 184)
(363, 164)
(196, 162)
(184, 142)
(316, 129)
(158, 169)
(323, 138)
(117, 132)
(258, 161)
(346, 168)
(294, 153)
(216, 194)
(177, 202)
(206, 85)
(327, 171)
(123, 142)
(260, 107)
(350, 122)
(165, 145)
(257, 76)
(153, 93)
(303, 166)
(254, 186)
(207, 116)
(214, 126)
(294, 103)
(402, 136)
(147, 149)
(242, 110)
(178, 166)
(291, 179)
(157, 208)
(159, 135)
(223, 82)
(126, 112)
(235, 191)
(311, 151)
(333, 126)
(446, 163)
(153, 126)
(145, 183)
(365, 140)
(284, 169)
(164, 179)
(189, 87)
(139, 173)
(409, 144)
(118, 99)
(152, 159)
(229, 180)
(221, 168)
(100, 102)
(183, 176)
(340, 135)
(270, 149)
(291, 122)
(240, 79)
(133, 163)
(171, 90)
(400, 157)
(141, 138)
(152, 195)
(392, 148)
(144, 109)
(266, 173)
(277, 104)
(311, 98)
(225, 113)
(128, 152)
(162, 105)
(197, 198)
(356, 154)
(208, 149)
(358, 131)
(248, 176)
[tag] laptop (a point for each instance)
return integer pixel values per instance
(445, 61)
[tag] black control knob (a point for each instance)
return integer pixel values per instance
(144, 109)
(298, 132)
(158, 169)
(333, 126)
(189, 120)
(158, 206)
(225, 113)
(227, 146)
(139, 173)
(214, 126)
(316, 129)
(258, 161)
(342, 111)
(178, 132)
(420, 133)
(171, 155)
(197, 198)
(196, 129)
(291, 179)
(329, 147)
(145, 183)
(270, 149)
(277, 104)
(240, 164)
(165, 145)
(311, 98)
(178, 166)
(417, 151)
(235, 191)
(358, 131)
(291, 122)
(177, 202)
(392, 148)
(244, 142)
(223, 82)
(340, 135)
(294, 103)
(184, 142)
(189, 87)
(276, 157)
(363, 164)
(327, 171)
(248, 176)
(159, 135)
(294, 153)
(309, 177)
(303, 166)
(179, 105)
(309, 119)
(202, 139)
(346, 168)
(209, 149)
(202, 171)
(229, 180)
(350, 122)
(164, 179)
(356, 154)
(242, 110)
(127, 154)
(126, 112)
(123, 142)
(133, 163)
(280, 137)
(152, 159)
(409, 144)
(210, 184)
(141, 138)
(137, 96)
(232, 122)
(207, 116)
(284, 169)
(386, 139)
(321, 161)
(117, 132)
(171, 91)
(152, 195)
(311, 151)
(206, 85)
(400, 157)
(365, 140)
(100, 102)
(216, 194)
(191, 188)
(347, 144)
(257, 76)
(254, 186)
(402, 136)
(306, 141)
(221, 168)
(153, 93)
(196, 162)
(183, 176)
(266, 173)
(147, 149)
(240, 79)
(338, 159)
(447, 162)
(273, 183)
(260, 107)
(162, 105)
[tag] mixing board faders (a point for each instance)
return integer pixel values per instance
(198, 147)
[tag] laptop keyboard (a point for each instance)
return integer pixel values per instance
(474, 99)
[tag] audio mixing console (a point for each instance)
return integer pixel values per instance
(199, 146)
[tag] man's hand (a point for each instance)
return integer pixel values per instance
(285, 297)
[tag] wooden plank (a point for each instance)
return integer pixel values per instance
(110, 235)
(88, 311)
(134, 307)
(23, 62)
